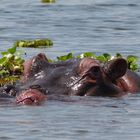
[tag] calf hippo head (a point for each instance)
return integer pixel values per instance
(72, 77)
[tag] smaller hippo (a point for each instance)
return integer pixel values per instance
(83, 77)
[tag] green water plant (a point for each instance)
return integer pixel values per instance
(105, 57)
(48, 1)
(132, 62)
(9, 80)
(65, 57)
(38, 43)
(11, 65)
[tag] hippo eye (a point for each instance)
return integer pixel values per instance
(35, 86)
(94, 71)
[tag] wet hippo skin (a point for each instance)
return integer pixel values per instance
(82, 77)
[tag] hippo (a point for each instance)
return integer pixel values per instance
(43, 80)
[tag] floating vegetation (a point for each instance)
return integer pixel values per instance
(48, 1)
(65, 57)
(105, 57)
(11, 66)
(8, 80)
(132, 62)
(39, 43)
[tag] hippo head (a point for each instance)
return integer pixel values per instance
(81, 77)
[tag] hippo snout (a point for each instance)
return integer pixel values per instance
(31, 97)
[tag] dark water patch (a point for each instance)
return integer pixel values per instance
(6, 138)
(117, 5)
(2, 29)
(6, 11)
(122, 28)
(113, 21)
(133, 5)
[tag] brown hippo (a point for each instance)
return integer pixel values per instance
(83, 77)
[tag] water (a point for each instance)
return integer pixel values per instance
(75, 26)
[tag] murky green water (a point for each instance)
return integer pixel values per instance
(75, 26)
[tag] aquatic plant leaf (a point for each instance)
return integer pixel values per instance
(4, 53)
(107, 56)
(2, 61)
(19, 61)
(86, 54)
(65, 57)
(101, 58)
(4, 72)
(132, 58)
(132, 62)
(118, 55)
(133, 67)
(12, 50)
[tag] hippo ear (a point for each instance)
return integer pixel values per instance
(38, 63)
(33, 66)
(116, 68)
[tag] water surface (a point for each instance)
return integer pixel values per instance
(75, 26)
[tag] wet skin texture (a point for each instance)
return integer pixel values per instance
(84, 77)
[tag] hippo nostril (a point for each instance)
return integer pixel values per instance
(31, 97)
(26, 99)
